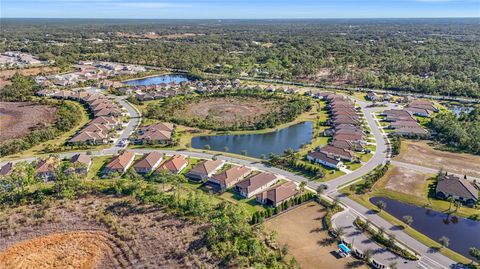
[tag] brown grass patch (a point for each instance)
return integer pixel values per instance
(423, 154)
(230, 110)
(312, 247)
(406, 181)
(20, 118)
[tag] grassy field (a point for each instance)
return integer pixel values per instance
(97, 164)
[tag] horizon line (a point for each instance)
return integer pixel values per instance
(292, 18)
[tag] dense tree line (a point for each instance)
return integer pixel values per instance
(370, 179)
(462, 132)
(430, 56)
(67, 118)
(22, 88)
(289, 107)
(260, 216)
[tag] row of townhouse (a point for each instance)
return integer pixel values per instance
(346, 130)
(266, 187)
(105, 114)
(404, 123)
(158, 133)
(46, 169)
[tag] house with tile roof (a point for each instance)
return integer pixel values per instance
(278, 194)
(149, 162)
(81, 163)
(255, 184)
(174, 165)
(322, 158)
(120, 163)
(226, 179)
(458, 188)
(204, 170)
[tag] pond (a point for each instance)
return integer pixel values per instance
(176, 78)
(257, 144)
(463, 233)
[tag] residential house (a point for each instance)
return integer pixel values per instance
(174, 165)
(159, 133)
(81, 163)
(148, 163)
(278, 194)
(255, 184)
(205, 169)
(371, 96)
(230, 177)
(322, 158)
(120, 163)
(412, 132)
(456, 187)
(45, 169)
(6, 169)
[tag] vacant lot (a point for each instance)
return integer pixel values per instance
(19, 118)
(423, 154)
(405, 181)
(312, 247)
(5, 75)
(229, 111)
(99, 232)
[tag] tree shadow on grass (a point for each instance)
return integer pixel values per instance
(325, 242)
(354, 264)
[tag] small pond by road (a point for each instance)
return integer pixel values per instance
(257, 144)
(463, 233)
(175, 78)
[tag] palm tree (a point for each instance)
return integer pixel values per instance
(302, 186)
(340, 231)
(450, 200)
(368, 255)
(444, 241)
(457, 205)
(381, 205)
(320, 190)
(407, 220)
(393, 265)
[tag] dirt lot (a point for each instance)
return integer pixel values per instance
(99, 232)
(421, 153)
(6, 74)
(312, 247)
(406, 181)
(20, 118)
(229, 111)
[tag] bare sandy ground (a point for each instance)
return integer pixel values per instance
(311, 246)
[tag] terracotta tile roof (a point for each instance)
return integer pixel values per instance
(149, 160)
(348, 137)
(280, 193)
(229, 176)
(323, 157)
(81, 158)
(206, 167)
(173, 164)
(255, 182)
(337, 152)
(46, 165)
(121, 161)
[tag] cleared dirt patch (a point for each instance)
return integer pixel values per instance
(406, 181)
(5, 75)
(423, 154)
(312, 247)
(20, 118)
(229, 111)
(100, 232)
(82, 250)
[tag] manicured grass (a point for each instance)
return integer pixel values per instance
(372, 147)
(97, 164)
(250, 204)
(353, 166)
(331, 174)
(365, 157)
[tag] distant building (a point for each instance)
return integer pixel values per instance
(458, 188)
(6, 169)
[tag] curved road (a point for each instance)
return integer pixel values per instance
(429, 259)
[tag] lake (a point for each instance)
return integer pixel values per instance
(257, 144)
(176, 78)
(463, 233)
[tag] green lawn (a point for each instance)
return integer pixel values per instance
(97, 164)
(250, 204)
(372, 147)
(364, 157)
(353, 166)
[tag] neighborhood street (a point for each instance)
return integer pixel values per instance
(430, 259)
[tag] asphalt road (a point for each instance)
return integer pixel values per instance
(429, 259)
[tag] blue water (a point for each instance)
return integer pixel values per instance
(176, 78)
(459, 109)
(258, 144)
(463, 233)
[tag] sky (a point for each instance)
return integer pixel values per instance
(238, 9)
